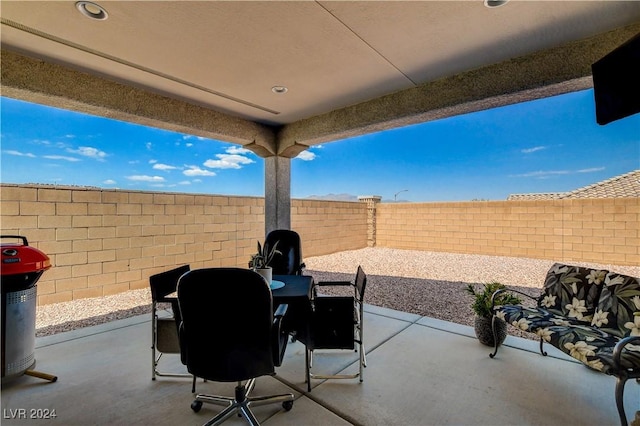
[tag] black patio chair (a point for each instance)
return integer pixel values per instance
(289, 259)
(164, 329)
(229, 333)
(336, 322)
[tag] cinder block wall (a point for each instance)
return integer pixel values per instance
(588, 230)
(104, 242)
(329, 226)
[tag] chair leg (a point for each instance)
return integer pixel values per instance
(363, 361)
(496, 342)
(363, 354)
(248, 415)
(363, 358)
(542, 351)
(241, 402)
(620, 382)
(308, 361)
(154, 362)
(223, 415)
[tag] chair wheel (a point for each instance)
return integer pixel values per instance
(196, 406)
(287, 405)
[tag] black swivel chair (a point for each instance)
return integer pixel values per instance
(336, 322)
(164, 330)
(229, 333)
(289, 259)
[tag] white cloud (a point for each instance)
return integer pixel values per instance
(306, 156)
(109, 182)
(145, 178)
(544, 174)
(238, 150)
(533, 149)
(591, 170)
(197, 171)
(153, 161)
(61, 157)
(20, 154)
(188, 145)
(200, 138)
(184, 182)
(228, 161)
(149, 146)
(160, 166)
(90, 152)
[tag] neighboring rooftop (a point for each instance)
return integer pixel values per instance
(623, 186)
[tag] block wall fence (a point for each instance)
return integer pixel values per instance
(103, 242)
(604, 230)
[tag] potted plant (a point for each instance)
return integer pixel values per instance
(482, 307)
(260, 261)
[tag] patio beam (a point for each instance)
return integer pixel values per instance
(541, 74)
(55, 85)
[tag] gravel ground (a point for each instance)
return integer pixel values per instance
(425, 283)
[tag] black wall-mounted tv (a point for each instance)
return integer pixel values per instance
(616, 82)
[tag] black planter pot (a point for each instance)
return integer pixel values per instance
(485, 334)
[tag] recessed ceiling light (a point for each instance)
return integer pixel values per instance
(92, 10)
(495, 3)
(279, 89)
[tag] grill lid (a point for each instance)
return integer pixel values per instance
(22, 258)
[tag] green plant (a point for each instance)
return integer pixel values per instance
(264, 256)
(482, 300)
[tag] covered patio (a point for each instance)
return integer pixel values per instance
(350, 68)
(421, 371)
(280, 77)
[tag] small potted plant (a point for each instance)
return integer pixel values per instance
(482, 307)
(260, 261)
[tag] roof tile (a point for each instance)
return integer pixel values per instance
(623, 186)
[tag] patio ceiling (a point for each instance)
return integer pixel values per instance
(208, 68)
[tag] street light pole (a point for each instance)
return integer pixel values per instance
(395, 196)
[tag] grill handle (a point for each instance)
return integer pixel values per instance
(24, 239)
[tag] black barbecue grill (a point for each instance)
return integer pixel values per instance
(21, 267)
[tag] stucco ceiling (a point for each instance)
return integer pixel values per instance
(350, 67)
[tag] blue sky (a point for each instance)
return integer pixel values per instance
(548, 145)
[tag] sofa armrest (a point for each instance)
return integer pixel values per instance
(502, 290)
(617, 350)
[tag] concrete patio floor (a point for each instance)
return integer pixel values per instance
(421, 371)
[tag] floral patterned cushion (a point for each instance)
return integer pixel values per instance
(618, 311)
(591, 346)
(531, 319)
(572, 292)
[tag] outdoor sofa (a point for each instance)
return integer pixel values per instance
(592, 315)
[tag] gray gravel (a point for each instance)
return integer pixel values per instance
(425, 283)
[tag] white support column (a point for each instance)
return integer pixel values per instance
(277, 193)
